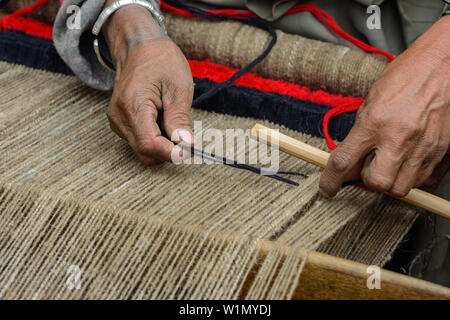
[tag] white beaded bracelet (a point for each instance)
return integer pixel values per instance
(107, 12)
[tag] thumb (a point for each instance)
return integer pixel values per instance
(345, 161)
(178, 126)
(176, 118)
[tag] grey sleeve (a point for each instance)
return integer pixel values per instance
(73, 41)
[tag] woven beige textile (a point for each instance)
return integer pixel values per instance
(312, 63)
(74, 197)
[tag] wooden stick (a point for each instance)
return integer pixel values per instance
(348, 280)
(320, 158)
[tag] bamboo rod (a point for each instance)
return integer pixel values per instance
(320, 158)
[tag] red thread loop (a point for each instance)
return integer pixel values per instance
(330, 23)
(327, 20)
(28, 9)
(334, 112)
(324, 17)
(27, 25)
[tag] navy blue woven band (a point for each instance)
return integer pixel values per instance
(3, 3)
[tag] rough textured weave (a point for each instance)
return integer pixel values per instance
(312, 63)
(73, 194)
(315, 64)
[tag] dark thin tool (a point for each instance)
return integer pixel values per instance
(235, 164)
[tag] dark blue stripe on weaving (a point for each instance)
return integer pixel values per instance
(21, 48)
(3, 3)
(304, 116)
(300, 115)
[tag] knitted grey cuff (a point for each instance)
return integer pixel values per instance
(74, 41)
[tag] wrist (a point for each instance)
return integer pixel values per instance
(128, 28)
(436, 41)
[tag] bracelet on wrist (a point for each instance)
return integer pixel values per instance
(446, 10)
(107, 12)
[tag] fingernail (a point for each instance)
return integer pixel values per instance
(179, 155)
(186, 136)
(324, 194)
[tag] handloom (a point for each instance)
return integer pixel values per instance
(73, 194)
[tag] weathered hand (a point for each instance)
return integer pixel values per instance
(154, 79)
(402, 132)
(153, 87)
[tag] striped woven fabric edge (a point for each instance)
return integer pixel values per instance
(288, 104)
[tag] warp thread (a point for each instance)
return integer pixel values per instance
(134, 234)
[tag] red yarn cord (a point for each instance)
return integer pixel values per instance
(219, 73)
(186, 13)
(334, 112)
(330, 23)
(27, 25)
(324, 17)
(28, 9)
(327, 20)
